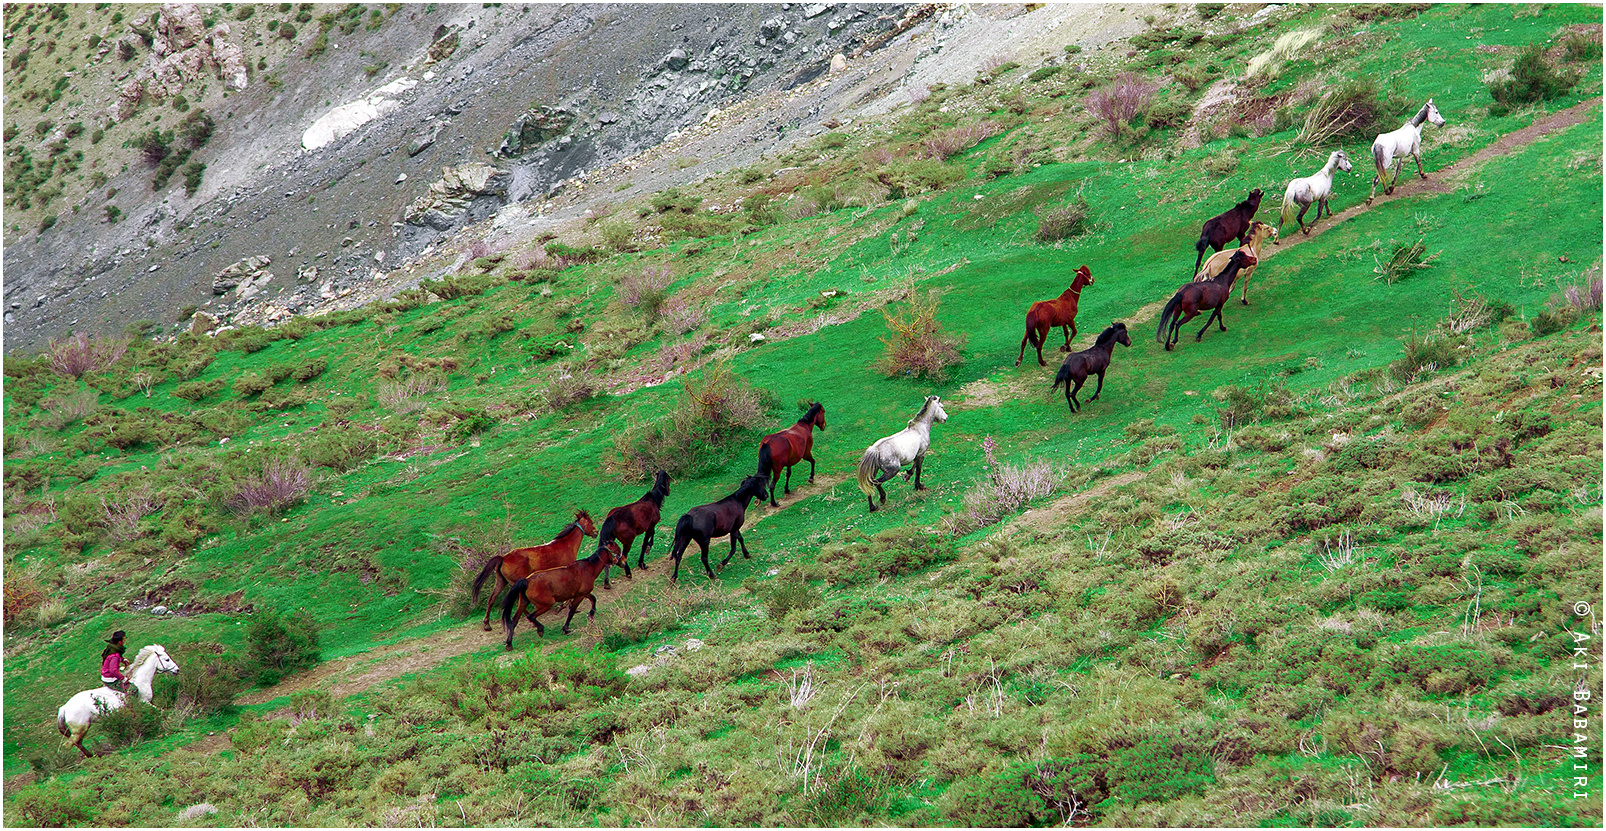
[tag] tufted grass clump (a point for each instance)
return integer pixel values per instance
(917, 346)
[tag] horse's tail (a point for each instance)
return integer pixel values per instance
(1200, 246)
(1061, 377)
(766, 459)
(1031, 331)
(867, 468)
(1165, 316)
(1378, 154)
(1288, 209)
(515, 592)
(608, 531)
(491, 566)
(61, 723)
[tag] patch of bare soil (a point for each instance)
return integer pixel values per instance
(1055, 514)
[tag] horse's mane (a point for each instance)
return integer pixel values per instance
(814, 410)
(1109, 334)
(1421, 115)
(659, 491)
(144, 654)
(924, 408)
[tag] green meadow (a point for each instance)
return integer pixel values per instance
(1318, 569)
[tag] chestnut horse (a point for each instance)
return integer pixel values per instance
(1046, 314)
(519, 562)
(788, 447)
(639, 518)
(1233, 224)
(1193, 298)
(705, 522)
(1094, 360)
(1258, 234)
(544, 589)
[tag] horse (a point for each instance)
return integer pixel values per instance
(788, 447)
(1232, 224)
(1317, 188)
(80, 711)
(888, 455)
(1392, 148)
(639, 518)
(1044, 315)
(520, 562)
(1094, 359)
(1258, 232)
(542, 590)
(1196, 297)
(716, 519)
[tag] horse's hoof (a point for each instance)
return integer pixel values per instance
(1245, 302)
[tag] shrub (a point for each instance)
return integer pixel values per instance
(1119, 101)
(1054, 224)
(1582, 46)
(1221, 163)
(1168, 114)
(1354, 110)
(713, 409)
(309, 370)
(1585, 297)
(917, 345)
(340, 449)
(904, 179)
(645, 290)
(1532, 78)
(192, 177)
(281, 484)
(196, 390)
(280, 644)
(74, 356)
(1001, 491)
(944, 144)
(1405, 260)
(63, 409)
(567, 386)
(679, 315)
(1426, 354)
(1044, 74)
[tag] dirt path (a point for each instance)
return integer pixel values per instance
(346, 676)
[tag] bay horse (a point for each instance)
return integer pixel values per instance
(1196, 297)
(542, 590)
(1317, 188)
(888, 455)
(639, 518)
(1258, 233)
(1390, 149)
(1044, 315)
(788, 447)
(1095, 360)
(519, 562)
(80, 711)
(716, 519)
(1232, 224)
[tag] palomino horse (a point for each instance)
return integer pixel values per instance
(1229, 225)
(1258, 232)
(1095, 360)
(1044, 315)
(716, 519)
(1390, 149)
(639, 518)
(1317, 188)
(788, 447)
(80, 711)
(1196, 297)
(888, 455)
(521, 561)
(542, 590)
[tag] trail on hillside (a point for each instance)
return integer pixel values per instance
(347, 676)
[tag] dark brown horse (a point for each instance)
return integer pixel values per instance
(639, 518)
(547, 588)
(1046, 314)
(1196, 297)
(716, 519)
(1222, 228)
(1094, 360)
(519, 562)
(788, 447)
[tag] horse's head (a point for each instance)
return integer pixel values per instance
(1433, 114)
(1343, 161)
(1121, 337)
(1243, 259)
(1254, 197)
(938, 414)
(164, 662)
(611, 555)
(1084, 277)
(583, 519)
(755, 486)
(660, 483)
(816, 415)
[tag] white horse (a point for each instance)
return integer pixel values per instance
(80, 711)
(887, 456)
(1317, 188)
(1390, 149)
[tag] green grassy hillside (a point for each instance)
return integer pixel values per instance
(1318, 569)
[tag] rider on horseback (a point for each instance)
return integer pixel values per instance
(112, 663)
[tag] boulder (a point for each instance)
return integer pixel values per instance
(457, 188)
(201, 323)
(443, 47)
(246, 270)
(342, 120)
(676, 59)
(537, 125)
(178, 28)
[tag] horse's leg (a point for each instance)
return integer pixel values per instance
(788, 490)
(624, 562)
(703, 544)
(646, 543)
(920, 462)
(1070, 403)
(810, 457)
(775, 479)
(1398, 163)
(1070, 394)
(1100, 388)
(1042, 337)
(676, 550)
(500, 584)
(1301, 217)
(512, 623)
(1066, 331)
(1215, 317)
(1418, 156)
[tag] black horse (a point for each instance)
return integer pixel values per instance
(705, 522)
(639, 518)
(1222, 228)
(1094, 360)
(1193, 298)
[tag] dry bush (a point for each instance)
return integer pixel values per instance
(282, 483)
(1119, 101)
(1000, 492)
(1065, 221)
(402, 393)
(122, 515)
(70, 408)
(24, 592)
(646, 288)
(680, 353)
(679, 315)
(713, 409)
(917, 346)
(946, 143)
(1585, 297)
(567, 386)
(78, 354)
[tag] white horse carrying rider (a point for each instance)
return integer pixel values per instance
(1390, 149)
(1316, 188)
(888, 455)
(80, 711)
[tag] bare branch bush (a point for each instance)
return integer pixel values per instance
(77, 354)
(1119, 101)
(282, 483)
(917, 345)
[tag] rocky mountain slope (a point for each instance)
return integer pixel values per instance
(349, 143)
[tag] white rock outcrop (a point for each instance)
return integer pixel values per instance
(342, 120)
